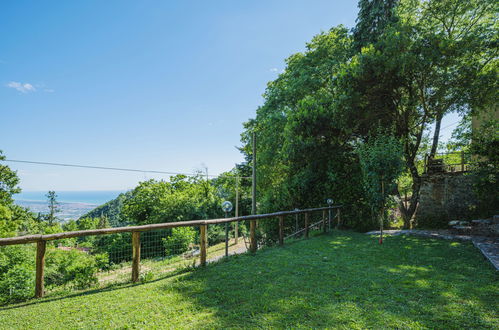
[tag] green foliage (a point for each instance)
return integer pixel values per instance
(13, 218)
(381, 160)
(407, 64)
(343, 280)
(180, 199)
(179, 241)
(304, 151)
(75, 268)
(17, 273)
(111, 210)
(53, 207)
(117, 246)
(373, 18)
(17, 284)
(485, 170)
(8, 183)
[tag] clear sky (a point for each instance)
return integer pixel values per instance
(161, 85)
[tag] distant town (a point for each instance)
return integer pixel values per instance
(69, 210)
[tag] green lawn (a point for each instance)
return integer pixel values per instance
(342, 280)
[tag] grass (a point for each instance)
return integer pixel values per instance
(157, 267)
(342, 280)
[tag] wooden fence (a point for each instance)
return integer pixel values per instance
(41, 240)
(454, 162)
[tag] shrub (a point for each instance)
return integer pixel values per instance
(216, 234)
(179, 241)
(486, 168)
(72, 267)
(17, 284)
(381, 161)
(17, 273)
(117, 246)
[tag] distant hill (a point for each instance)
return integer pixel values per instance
(112, 210)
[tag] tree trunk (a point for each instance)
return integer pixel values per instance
(436, 135)
(409, 210)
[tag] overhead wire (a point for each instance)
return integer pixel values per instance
(106, 168)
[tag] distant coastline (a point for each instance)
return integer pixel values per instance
(97, 197)
(73, 204)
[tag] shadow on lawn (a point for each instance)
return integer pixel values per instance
(348, 280)
(109, 288)
(343, 280)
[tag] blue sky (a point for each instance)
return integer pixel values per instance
(162, 85)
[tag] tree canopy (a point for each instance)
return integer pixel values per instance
(405, 65)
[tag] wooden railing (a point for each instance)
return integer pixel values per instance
(41, 240)
(449, 162)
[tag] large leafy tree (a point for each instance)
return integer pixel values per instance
(427, 63)
(9, 182)
(381, 163)
(304, 153)
(373, 18)
(180, 199)
(14, 219)
(406, 64)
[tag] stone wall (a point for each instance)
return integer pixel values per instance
(445, 197)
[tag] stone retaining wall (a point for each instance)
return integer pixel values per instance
(445, 197)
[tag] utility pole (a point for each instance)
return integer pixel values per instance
(253, 245)
(253, 174)
(207, 180)
(236, 230)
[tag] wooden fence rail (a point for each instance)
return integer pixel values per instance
(41, 240)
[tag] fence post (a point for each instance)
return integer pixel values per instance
(203, 242)
(324, 229)
(281, 230)
(462, 160)
(306, 225)
(135, 256)
(253, 236)
(40, 268)
(329, 219)
(296, 221)
(226, 239)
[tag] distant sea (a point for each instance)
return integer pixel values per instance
(72, 204)
(87, 197)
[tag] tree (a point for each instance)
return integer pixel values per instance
(305, 154)
(9, 182)
(438, 56)
(374, 16)
(485, 170)
(406, 64)
(381, 160)
(53, 207)
(13, 218)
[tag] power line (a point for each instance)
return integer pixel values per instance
(101, 167)
(108, 168)
(449, 125)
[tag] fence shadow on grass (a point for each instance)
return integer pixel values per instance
(348, 280)
(88, 292)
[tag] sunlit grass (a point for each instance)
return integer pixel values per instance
(342, 280)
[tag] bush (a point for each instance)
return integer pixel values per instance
(17, 284)
(17, 273)
(484, 146)
(72, 267)
(179, 241)
(117, 246)
(216, 234)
